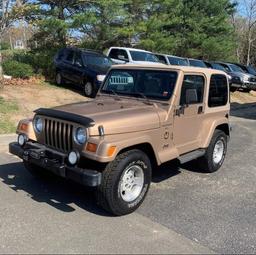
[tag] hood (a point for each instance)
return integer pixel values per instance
(99, 69)
(241, 75)
(116, 116)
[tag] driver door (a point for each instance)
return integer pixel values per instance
(189, 113)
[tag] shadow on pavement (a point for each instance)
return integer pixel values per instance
(246, 111)
(61, 194)
(54, 190)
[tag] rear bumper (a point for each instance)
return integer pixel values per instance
(55, 162)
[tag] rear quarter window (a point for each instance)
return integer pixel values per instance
(218, 91)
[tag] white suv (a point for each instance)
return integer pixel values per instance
(121, 55)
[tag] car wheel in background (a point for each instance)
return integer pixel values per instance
(89, 89)
(58, 78)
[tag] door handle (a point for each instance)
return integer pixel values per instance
(200, 110)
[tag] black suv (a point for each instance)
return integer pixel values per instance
(85, 68)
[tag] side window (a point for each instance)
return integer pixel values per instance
(60, 54)
(218, 91)
(123, 53)
(114, 53)
(192, 91)
(69, 56)
(161, 59)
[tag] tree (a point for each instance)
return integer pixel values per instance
(10, 10)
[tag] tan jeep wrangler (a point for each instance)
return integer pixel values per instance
(142, 117)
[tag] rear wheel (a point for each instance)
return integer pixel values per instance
(59, 79)
(215, 153)
(125, 183)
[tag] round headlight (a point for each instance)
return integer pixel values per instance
(38, 124)
(80, 136)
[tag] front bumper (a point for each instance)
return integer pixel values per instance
(245, 85)
(55, 162)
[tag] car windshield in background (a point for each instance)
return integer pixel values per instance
(151, 84)
(97, 60)
(236, 68)
(218, 67)
(178, 61)
(251, 70)
(197, 63)
(143, 56)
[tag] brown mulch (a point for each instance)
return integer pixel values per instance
(22, 82)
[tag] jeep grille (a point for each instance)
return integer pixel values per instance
(58, 135)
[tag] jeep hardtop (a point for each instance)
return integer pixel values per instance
(142, 117)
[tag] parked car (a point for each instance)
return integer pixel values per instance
(231, 77)
(248, 69)
(171, 60)
(122, 55)
(243, 80)
(197, 63)
(143, 117)
(85, 68)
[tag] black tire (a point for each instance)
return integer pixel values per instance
(206, 162)
(59, 79)
(36, 171)
(233, 89)
(109, 195)
(89, 89)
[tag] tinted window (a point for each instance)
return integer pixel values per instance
(218, 67)
(178, 61)
(143, 56)
(197, 63)
(218, 92)
(141, 83)
(116, 53)
(161, 59)
(192, 84)
(70, 56)
(97, 60)
(236, 68)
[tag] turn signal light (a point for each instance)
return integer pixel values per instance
(23, 127)
(92, 147)
(111, 151)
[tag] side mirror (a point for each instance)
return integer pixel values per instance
(122, 57)
(191, 96)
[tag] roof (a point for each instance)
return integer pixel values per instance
(167, 55)
(125, 48)
(170, 68)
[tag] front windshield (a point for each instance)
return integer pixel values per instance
(143, 56)
(236, 68)
(151, 84)
(178, 61)
(97, 60)
(218, 67)
(251, 70)
(197, 63)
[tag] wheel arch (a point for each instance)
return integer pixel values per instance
(146, 148)
(220, 124)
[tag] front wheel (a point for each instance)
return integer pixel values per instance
(215, 153)
(89, 89)
(59, 79)
(125, 183)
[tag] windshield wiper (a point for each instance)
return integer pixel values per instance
(143, 95)
(117, 97)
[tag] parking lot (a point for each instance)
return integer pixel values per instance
(185, 211)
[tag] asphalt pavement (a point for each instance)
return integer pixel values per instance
(186, 211)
